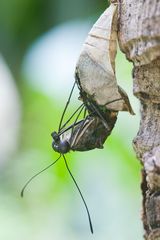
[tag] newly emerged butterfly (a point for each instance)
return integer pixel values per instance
(85, 135)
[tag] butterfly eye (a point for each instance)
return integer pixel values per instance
(64, 147)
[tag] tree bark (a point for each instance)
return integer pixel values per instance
(139, 39)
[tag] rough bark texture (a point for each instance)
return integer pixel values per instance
(139, 39)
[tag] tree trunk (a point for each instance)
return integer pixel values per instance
(139, 39)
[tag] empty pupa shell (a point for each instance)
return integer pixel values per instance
(96, 64)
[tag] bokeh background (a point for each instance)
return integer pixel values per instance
(39, 45)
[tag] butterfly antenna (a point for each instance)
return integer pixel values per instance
(71, 126)
(23, 189)
(67, 103)
(89, 217)
(82, 125)
(72, 116)
(74, 124)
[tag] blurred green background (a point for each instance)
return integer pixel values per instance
(40, 43)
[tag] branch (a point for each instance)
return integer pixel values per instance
(139, 39)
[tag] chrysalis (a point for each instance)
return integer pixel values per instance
(96, 65)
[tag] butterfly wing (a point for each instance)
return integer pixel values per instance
(91, 132)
